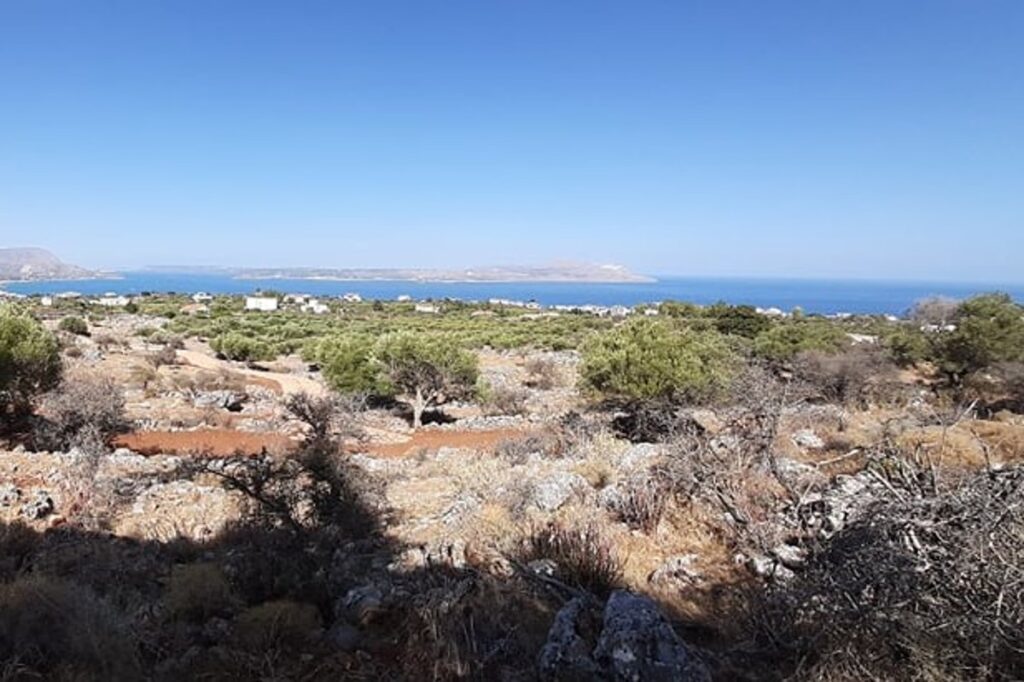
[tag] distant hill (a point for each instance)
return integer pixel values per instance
(572, 272)
(34, 264)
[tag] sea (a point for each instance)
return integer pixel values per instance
(824, 297)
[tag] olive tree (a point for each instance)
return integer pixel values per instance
(649, 361)
(29, 361)
(424, 371)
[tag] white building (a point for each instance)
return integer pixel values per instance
(651, 312)
(316, 307)
(427, 308)
(201, 297)
(111, 300)
(352, 297)
(265, 304)
(863, 338)
(404, 298)
(46, 301)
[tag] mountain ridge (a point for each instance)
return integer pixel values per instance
(20, 264)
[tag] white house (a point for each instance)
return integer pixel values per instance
(46, 301)
(201, 297)
(265, 304)
(863, 338)
(427, 308)
(404, 298)
(352, 297)
(111, 300)
(651, 312)
(316, 307)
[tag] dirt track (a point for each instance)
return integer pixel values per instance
(215, 442)
(289, 383)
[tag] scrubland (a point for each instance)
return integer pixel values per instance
(200, 492)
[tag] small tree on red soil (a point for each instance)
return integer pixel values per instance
(425, 372)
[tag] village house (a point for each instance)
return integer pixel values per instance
(111, 300)
(316, 307)
(352, 297)
(429, 308)
(201, 297)
(265, 304)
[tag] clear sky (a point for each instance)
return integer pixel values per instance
(770, 137)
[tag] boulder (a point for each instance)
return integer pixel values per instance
(552, 493)
(633, 642)
(38, 507)
(677, 572)
(567, 653)
(10, 495)
(638, 643)
(806, 438)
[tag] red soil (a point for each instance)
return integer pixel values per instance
(215, 442)
(226, 442)
(434, 440)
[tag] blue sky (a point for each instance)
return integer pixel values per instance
(766, 138)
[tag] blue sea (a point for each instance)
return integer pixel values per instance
(814, 296)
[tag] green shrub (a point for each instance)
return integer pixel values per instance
(739, 320)
(646, 360)
(347, 365)
(237, 346)
(990, 330)
(30, 361)
(74, 325)
(908, 346)
(784, 342)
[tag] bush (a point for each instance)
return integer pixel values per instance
(30, 361)
(927, 584)
(990, 329)
(48, 625)
(279, 624)
(195, 592)
(641, 502)
(74, 325)
(236, 346)
(584, 557)
(83, 412)
(502, 401)
(786, 341)
(908, 346)
(347, 365)
(543, 373)
(645, 360)
(841, 378)
(739, 320)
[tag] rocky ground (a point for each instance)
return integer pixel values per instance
(462, 494)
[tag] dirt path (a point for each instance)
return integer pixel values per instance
(289, 383)
(214, 442)
(434, 440)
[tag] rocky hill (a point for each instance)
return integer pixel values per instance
(34, 263)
